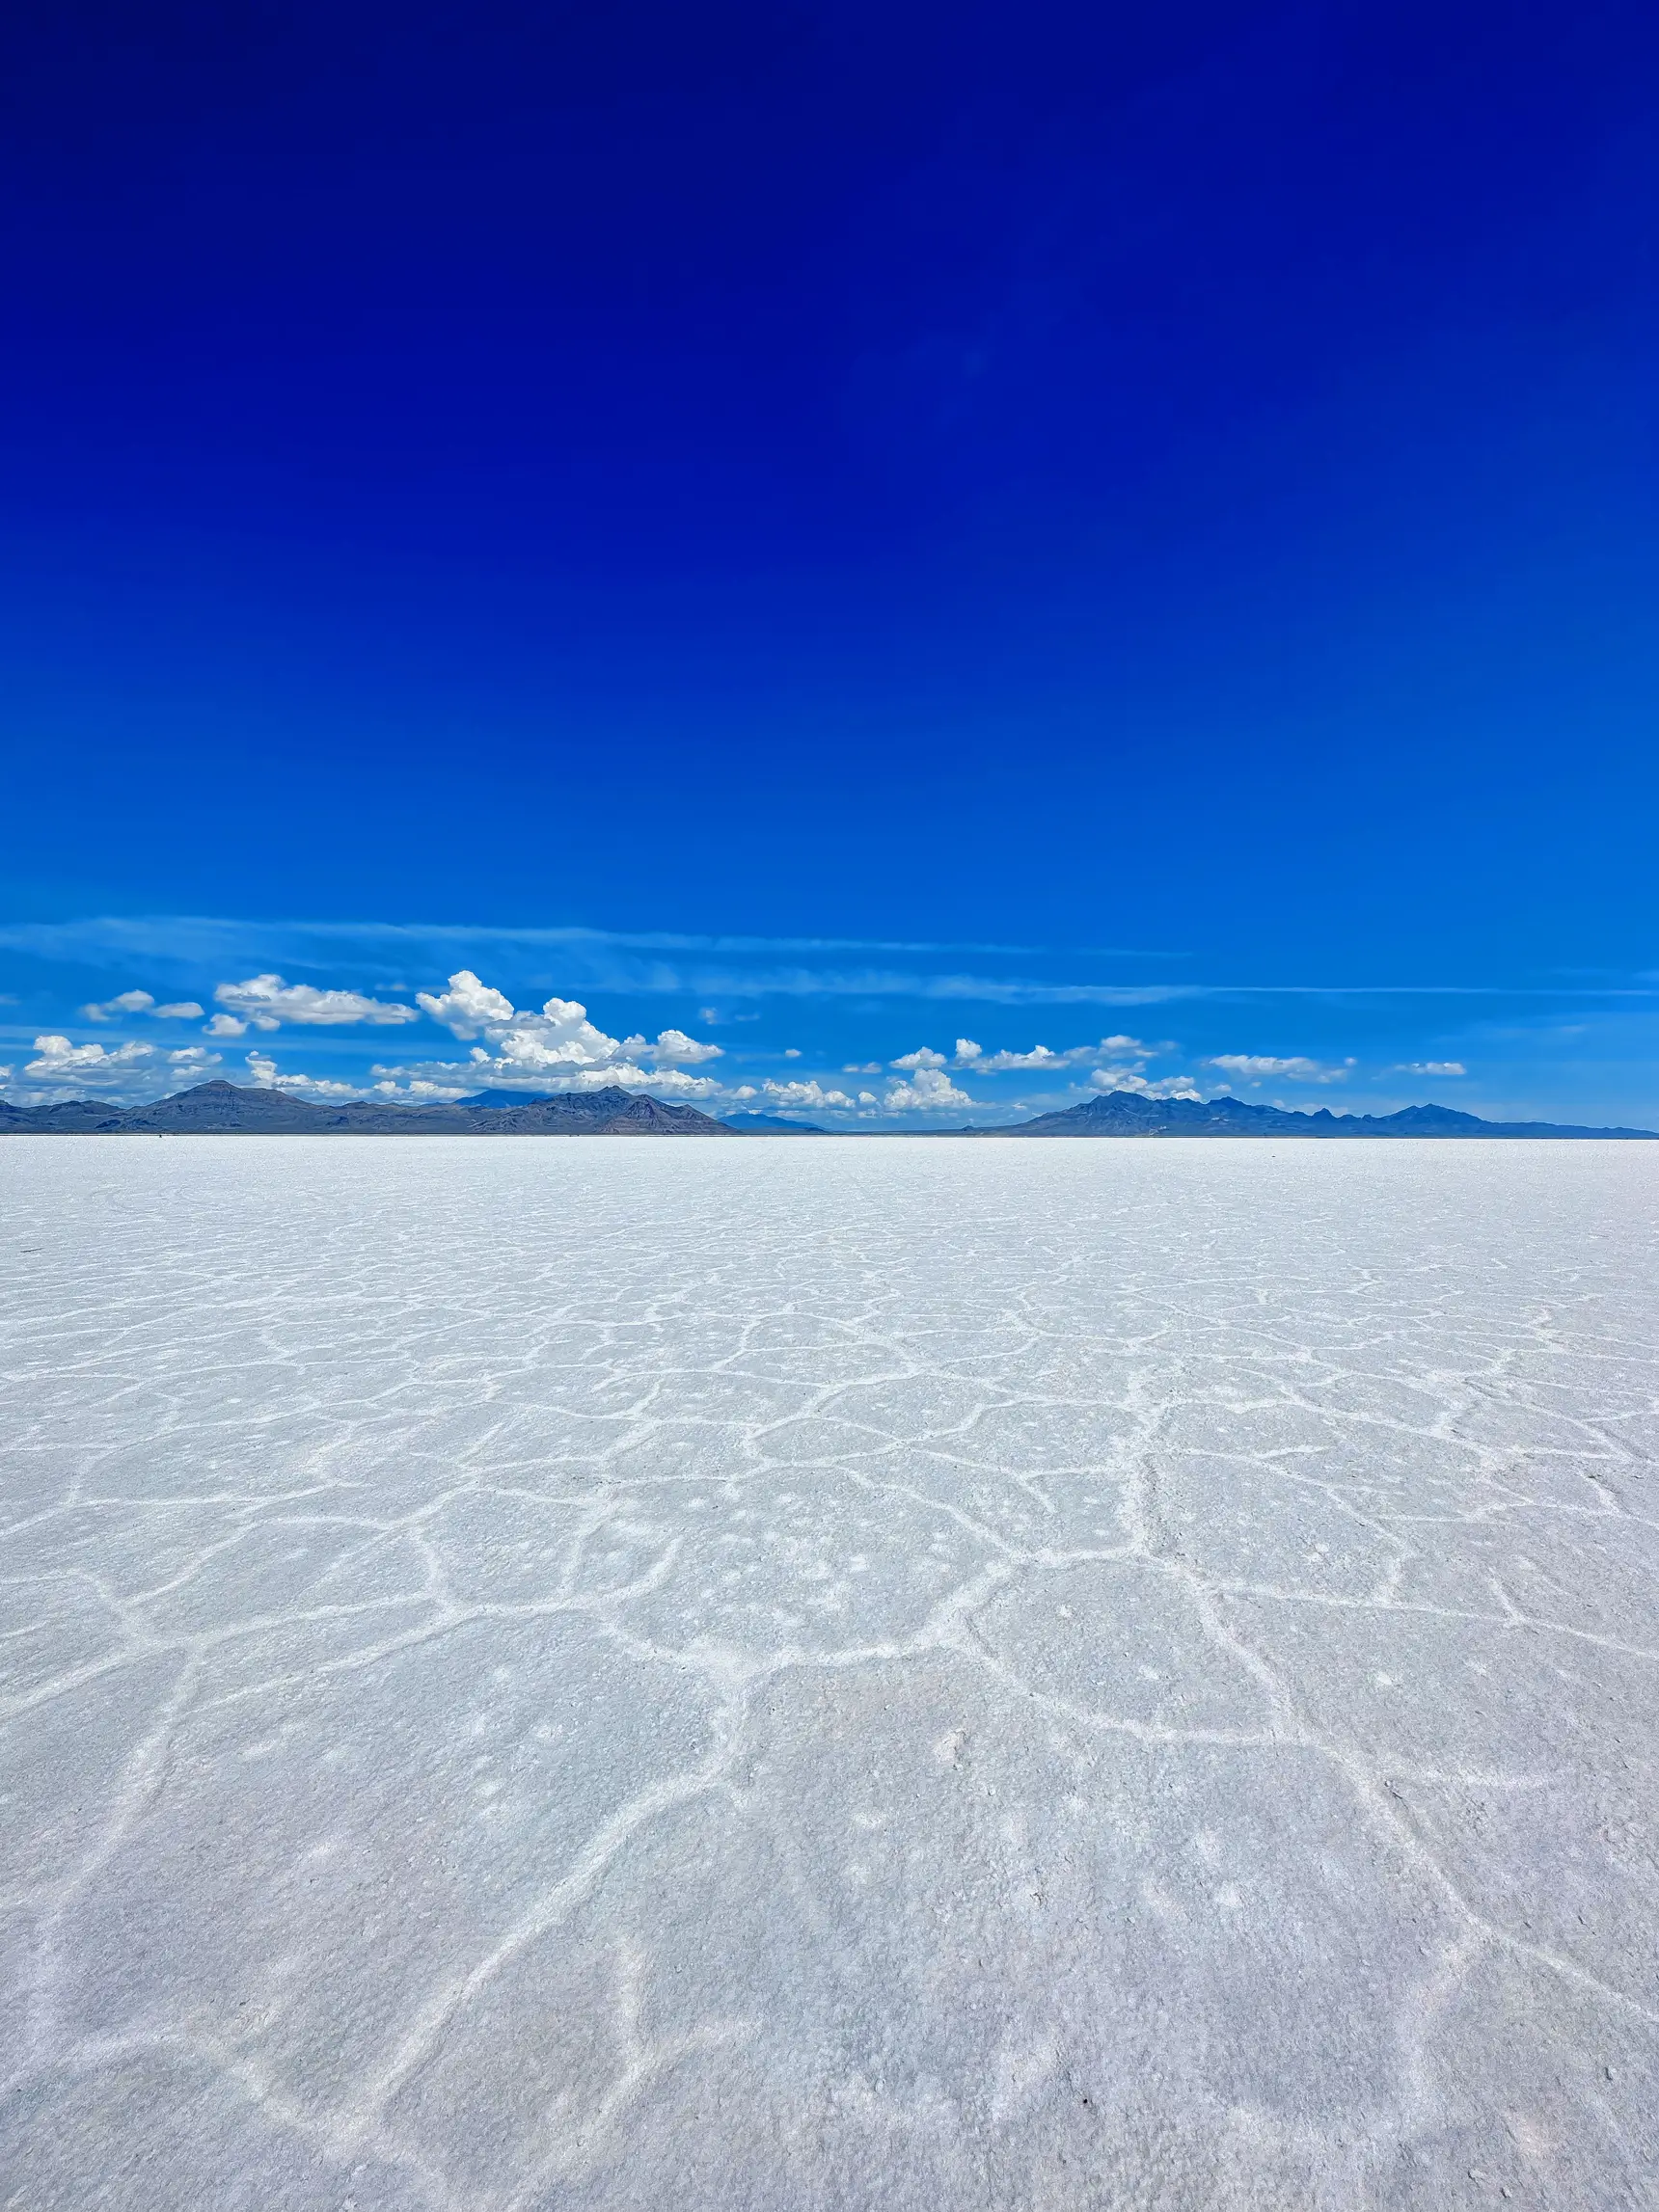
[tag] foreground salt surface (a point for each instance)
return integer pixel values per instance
(829, 1674)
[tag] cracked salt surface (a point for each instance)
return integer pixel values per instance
(828, 1674)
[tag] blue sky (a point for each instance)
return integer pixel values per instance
(826, 533)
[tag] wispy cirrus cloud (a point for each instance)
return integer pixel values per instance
(715, 968)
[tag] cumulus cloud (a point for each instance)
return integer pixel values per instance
(560, 1036)
(484, 1072)
(227, 1025)
(807, 1092)
(673, 1081)
(1252, 1066)
(672, 1048)
(1040, 1056)
(1043, 1057)
(1125, 1054)
(319, 1090)
(56, 1061)
(467, 1005)
(1131, 1079)
(929, 1091)
(194, 1059)
(141, 1002)
(124, 1002)
(420, 1092)
(1429, 1068)
(863, 1067)
(267, 1002)
(557, 1049)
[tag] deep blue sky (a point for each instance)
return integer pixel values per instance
(1125, 521)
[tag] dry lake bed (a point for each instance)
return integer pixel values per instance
(827, 1676)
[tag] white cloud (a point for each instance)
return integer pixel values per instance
(1110, 1079)
(194, 1059)
(557, 1049)
(922, 1057)
(673, 1047)
(420, 1092)
(673, 1080)
(57, 1059)
(267, 1002)
(810, 1093)
(1429, 1068)
(792, 1052)
(863, 1067)
(141, 1002)
(317, 1089)
(1252, 1066)
(803, 1093)
(1038, 1056)
(458, 1078)
(225, 1025)
(807, 1092)
(560, 1036)
(467, 1005)
(929, 1091)
(1043, 1057)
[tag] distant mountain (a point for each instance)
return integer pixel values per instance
(504, 1098)
(222, 1109)
(772, 1126)
(1126, 1114)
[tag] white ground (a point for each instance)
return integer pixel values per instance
(857, 1674)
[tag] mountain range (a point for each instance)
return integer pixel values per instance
(1128, 1113)
(223, 1109)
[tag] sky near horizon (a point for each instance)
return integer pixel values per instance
(898, 564)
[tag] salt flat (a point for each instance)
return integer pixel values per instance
(829, 1674)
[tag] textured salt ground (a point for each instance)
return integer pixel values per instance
(849, 1674)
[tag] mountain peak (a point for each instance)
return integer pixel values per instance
(1131, 1114)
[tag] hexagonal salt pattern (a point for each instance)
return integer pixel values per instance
(775, 1677)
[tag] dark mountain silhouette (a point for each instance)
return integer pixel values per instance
(223, 1109)
(505, 1098)
(1126, 1114)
